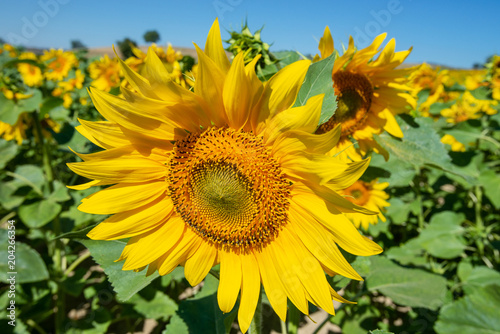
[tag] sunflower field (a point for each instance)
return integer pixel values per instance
(248, 190)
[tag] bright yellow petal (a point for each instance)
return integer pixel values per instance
(326, 44)
(214, 48)
(237, 94)
(304, 118)
(250, 291)
(122, 197)
(189, 242)
(153, 244)
(125, 224)
(230, 280)
(200, 263)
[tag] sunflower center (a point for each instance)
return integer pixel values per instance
(354, 97)
(358, 193)
(228, 188)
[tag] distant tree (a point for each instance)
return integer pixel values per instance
(151, 36)
(76, 44)
(126, 46)
(2, 41)
(477, 66)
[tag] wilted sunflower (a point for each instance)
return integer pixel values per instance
(370, 195)
(228, 174)
(369, 93)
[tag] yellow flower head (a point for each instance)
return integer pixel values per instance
(15, 132)
(59, 63)
(10, 49)
(456, 146)
(370, 195)
(105, 72)
(32, 75)
(369, 93)
(73, 83)
(468, 107)
(228, 174)
(426, 77)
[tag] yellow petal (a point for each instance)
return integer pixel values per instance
(319, 242)
(343, 231)
(296, 140)
(237, 94)
(391, 125)
(353, 172)
(250, 290)
(271, 281)
(189, 242)
(280, 92)
(313, 167)
(133, 222)
(308, 270)
(214, 48)
(104, 134)
(128, 169)
(326, 44)
(153, 244)
(304, 118)
(284, 267)
(209, 85)
(200, 263)
(122, 197)
(230, 280)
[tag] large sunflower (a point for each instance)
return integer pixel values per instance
(369, 93)
(228, 174)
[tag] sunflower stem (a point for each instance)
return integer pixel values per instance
(283, 327)
(293, 319)
(57, 256)
(256, 324)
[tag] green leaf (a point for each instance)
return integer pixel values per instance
(125, 283)
(10, 194)
(8, 150)
(409, 287)
(28, 263)
(318, 80)
(60, 193)
(421, 147)
(478, 277)
(380, 331)
(10, 110)
(476, 313)
(397, 172)
(408, 253)
(159, 306)
(398, 211)
(202, 313)
(176, 326)
(48, 104)
(39, 213)
(80, 234)
(441, 238)
(30, 175)
(491, 184)
(481, 93)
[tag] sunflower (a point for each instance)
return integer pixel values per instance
(370, 195)
(59, 63)
(16, 131)
(226, 174)
(426, 77)
(32, 75)
(105, 72)
(369, 93)
(468, 107)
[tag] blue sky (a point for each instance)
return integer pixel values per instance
(454, 33)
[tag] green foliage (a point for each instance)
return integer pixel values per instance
(125, 46)
(318, 80)
(151, 36)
